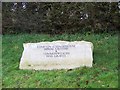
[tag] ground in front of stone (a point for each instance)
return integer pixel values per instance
(103, 74)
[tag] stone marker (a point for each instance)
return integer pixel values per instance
(56, 55)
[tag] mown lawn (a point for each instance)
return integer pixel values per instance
(103, 74)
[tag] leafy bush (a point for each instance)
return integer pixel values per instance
(59, 17)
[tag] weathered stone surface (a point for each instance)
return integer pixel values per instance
(56, 55)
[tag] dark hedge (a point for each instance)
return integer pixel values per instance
(58, 18)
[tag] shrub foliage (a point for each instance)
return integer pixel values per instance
(59, 17)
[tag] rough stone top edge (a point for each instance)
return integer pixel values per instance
(59, 41)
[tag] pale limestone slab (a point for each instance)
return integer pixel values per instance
(56, 55)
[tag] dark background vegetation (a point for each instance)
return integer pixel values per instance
(60, 17)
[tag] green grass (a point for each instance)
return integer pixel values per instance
(103, 74)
